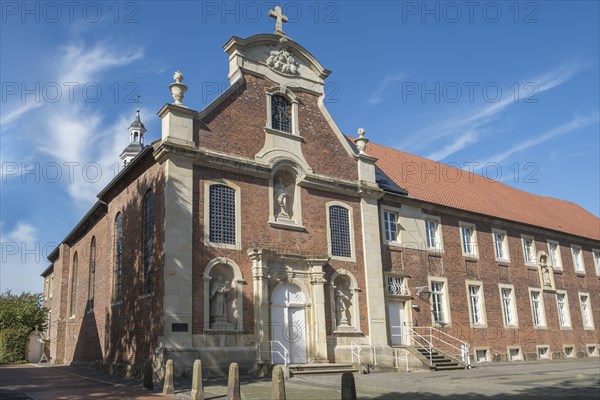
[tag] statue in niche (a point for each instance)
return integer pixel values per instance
(343, 303)
(219, 296)
(283, 196)
(546, 273)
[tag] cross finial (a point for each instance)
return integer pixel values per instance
(279, 20)
(138, 101)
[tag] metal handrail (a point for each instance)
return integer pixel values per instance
(464, 346)
(285, 354)
(429, 349)
(354, 346)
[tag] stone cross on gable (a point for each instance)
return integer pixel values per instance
(279, 19)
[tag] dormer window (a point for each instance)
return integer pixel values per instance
(281, 114)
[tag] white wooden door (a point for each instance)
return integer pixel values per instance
(288, 325)
(396, 320)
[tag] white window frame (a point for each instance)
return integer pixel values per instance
(556, 264)
(586, 311)
(540, 347)
(566, 324)
(482, 315)
(573, 352)
(504, 244)
(541, 315)
(352, 258)
(447, 321)
(396, 212)
(439, 244)
(595, 255)
(513, 305)
(531, 259)
(474, 253)
(578, 259)
(291, 97)
(487, 354)
(519, 353)
(238, 215)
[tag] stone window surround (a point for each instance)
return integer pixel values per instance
(445, 302)
(355, 301)
(238, 215)
(580, 271)
(483, 323)
(519, 353)
(567, 326)
(539, 347)
(543, 323)
(474, 250)
(288, 94)
(595, 353)
(352, 258)
(559, 265)
(505, 248)
(588, 303)
(238, 285)
(595, 256)
(487, 354)
(394, 210)
(438, 233)
(526, 261)
(573, 353)
(515, 324)
(73, 292)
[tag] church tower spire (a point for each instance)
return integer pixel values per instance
(136, 138)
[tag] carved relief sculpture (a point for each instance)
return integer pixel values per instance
(283, 61)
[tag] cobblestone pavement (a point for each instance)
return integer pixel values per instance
(572, 379)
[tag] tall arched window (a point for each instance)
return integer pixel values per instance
(148, 241)
(222, 228)
(281, 114)
(74, 284)
(118, 257)
(92, 276)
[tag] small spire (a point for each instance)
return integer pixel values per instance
(136, 137)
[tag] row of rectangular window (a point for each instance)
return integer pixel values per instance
(440, 306)
(500, 239)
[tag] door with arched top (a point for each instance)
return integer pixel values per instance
(288, 324)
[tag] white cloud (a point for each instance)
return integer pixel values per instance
(17, 113)
(576, 123)
(22, 233)
(464, 140)
(376, 97)
(481, 118)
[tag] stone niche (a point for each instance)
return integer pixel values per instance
(223, 297)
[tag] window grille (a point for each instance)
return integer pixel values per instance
(339, 226)
(281, 114)
(396, 286)
(222, 214)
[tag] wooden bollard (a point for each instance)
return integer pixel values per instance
(233, 383)
(197, 390)
(278, 384)
(168, 387)
(348, 386)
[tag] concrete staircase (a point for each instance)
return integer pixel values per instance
(324, 368)
(439, 360)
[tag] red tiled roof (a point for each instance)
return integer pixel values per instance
(441, 184)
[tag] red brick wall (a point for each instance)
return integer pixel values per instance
(128, 331)
(456, 268)
(256, 231)
(236, 126)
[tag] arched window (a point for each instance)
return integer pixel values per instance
(92, 276)
(74, 284)
(222, 214)
(148, 241)
(281, 114)
(118, 257)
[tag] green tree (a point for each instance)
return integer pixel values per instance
(19, 316)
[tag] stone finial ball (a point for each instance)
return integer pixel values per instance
(178, 76)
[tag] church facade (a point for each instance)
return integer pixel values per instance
(255, 231)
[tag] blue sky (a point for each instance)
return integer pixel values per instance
(509, 89)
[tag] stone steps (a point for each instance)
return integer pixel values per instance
(440, 361)
(325, 368)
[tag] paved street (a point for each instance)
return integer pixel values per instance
(573, 379)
